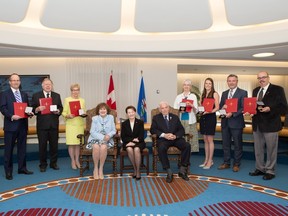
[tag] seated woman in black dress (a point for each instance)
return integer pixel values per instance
(132, 135)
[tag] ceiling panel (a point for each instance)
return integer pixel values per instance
(172, 16)
(251, 12)
(13, 11)
(84, 15)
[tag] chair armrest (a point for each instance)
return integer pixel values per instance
(188, 136)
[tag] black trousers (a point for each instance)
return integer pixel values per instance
(44, 137)
(10, 138)
(181, 144)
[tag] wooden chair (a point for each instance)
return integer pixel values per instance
(123, 154)
(85, 156)
(174, 154)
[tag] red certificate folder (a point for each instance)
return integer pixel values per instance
(208, 104)
(250, 105)
(74, 107)
(188, 107)
(19, 109)
(47, 102)
(232, 105)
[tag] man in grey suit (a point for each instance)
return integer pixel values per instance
(266, 125)
(232, 124)
(47, 125)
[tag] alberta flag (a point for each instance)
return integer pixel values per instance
(141, 108)
(111, 100)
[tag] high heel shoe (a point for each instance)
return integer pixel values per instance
(208, 167)
(203, 165)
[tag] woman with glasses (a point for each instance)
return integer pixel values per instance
(74, 123)
(101, 137)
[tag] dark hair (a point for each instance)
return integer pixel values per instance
(211, 93)
(130, 107)
(102, 105)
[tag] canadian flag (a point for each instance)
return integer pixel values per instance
(111, 100)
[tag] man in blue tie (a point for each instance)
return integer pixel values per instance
(15, 127)
(170, 132)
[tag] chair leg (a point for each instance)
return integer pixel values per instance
(121, 164)
(115, 165)
(155, 158)
(147, 166)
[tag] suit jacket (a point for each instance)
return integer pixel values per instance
(7, 100)
(237, 119)
(50, 120)
(275, 99)
(127, 135)
(159, 126)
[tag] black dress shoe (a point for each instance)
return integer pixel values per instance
(183, 176)
(55, 167)
(169, 178)
(268, 176)
(138, 178)
(26, 172)
(9, 176)
(256, 173)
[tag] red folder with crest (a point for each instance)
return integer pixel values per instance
(232, 105)
(250, 105)
(74, 107)
(188, 107)
(208, 104)
(19, 109)
(47, 102)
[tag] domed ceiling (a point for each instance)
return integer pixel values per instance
(208, 29)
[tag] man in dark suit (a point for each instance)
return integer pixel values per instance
(47, 125)
(15, 127)
(170, 132)
(266, 124)
(232, 124)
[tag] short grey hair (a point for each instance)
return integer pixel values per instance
(188, 81)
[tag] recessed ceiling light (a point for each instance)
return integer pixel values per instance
(262, 55)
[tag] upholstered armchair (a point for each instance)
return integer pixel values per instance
(85, 156)
(174, 154)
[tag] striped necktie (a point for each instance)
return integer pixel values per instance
(230, 94)
(17, 96)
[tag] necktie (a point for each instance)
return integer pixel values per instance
(260, 96)
(47, 95)
(230, 94)
(166, 121)
(17, 97)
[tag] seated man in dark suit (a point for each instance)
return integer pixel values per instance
(170, 132)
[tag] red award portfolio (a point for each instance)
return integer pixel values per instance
(188, 107)
(74, 107)
(47, 102)
(232, 105)
(19, 109)
(208, 104)
(250, 105)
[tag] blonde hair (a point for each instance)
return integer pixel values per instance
(74, 85)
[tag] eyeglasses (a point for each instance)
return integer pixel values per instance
(263, 77)
(75, 89)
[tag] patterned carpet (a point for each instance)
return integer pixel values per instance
(151, 196)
